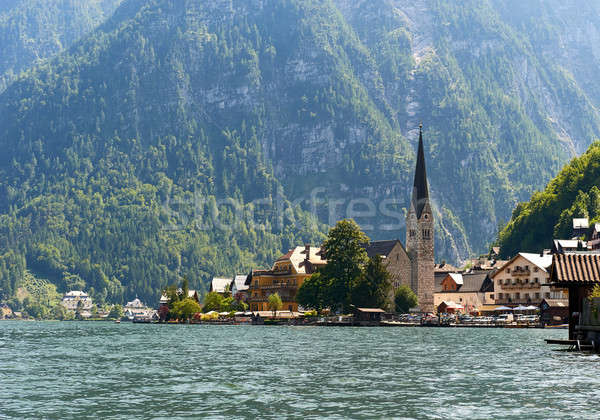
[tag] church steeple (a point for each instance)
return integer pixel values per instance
(420, 195)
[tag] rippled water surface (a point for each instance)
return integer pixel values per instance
(104, 370)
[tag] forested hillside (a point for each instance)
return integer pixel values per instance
(118, 150)
(33, 30)
(573, 193)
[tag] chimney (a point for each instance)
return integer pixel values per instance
(307, 251)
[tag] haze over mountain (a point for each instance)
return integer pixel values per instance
(32, 30)
(279, 101)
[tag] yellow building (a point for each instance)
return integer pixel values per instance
(285, 278)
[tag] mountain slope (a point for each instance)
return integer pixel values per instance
(278, 108)
(33, 30)
(548, 215)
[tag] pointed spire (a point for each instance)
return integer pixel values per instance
(420, 194)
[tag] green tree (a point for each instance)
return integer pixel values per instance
(373, 287)
(312, 293)
(59, 312)
(346, 257)
(185, 309)
(116, 312)
(405, 299)
(213, 301)
(274, 303)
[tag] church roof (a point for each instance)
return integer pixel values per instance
(420, 194)
(382, 248)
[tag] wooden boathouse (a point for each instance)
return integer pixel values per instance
(579, 273)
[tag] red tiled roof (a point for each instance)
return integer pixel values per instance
(583, 268)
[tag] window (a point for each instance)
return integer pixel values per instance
(412, 233)
(526, 268)
(508, 270)
(526, 281)
(397, 257)
(500, 296)
(535, 280)
(527, 296)
(492, 296)
(547, 295)
(537, 295)
(499, 282)
(426, 234)
(517, 295)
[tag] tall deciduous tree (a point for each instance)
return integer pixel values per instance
(346, 257)
(312, 293)
(185, 309)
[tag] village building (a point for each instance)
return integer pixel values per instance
(524, 280)
(239, 288)
(76, 300)
(284, 278)
(580, 227)
(554, 311)
(5, 312)
(163, 303)
(444, 268)
(464, 292)
(221, 285)
(560, 246)
(578, 273)
(594, 237)
(136, 310)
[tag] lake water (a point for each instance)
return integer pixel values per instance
(128, 371)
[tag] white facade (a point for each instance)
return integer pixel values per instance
(72, 299)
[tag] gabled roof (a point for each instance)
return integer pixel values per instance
(220, 284)
(457, 277)
(297, 257)
(543, 262)
(556, 303)
(474, 282)
(370, 310)
(240, 282)
(562, 245)
(382, 248)
(576, 268)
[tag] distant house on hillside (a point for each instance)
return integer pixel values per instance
(77, 300)
(221, 285)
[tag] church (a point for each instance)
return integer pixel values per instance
(413, 265)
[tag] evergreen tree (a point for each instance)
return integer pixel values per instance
(405, 299)
(373, 287)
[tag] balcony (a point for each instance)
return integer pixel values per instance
(520, 271)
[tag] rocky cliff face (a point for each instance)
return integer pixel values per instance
(315, 100)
